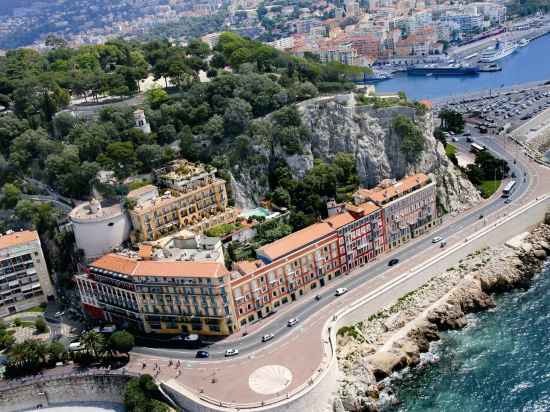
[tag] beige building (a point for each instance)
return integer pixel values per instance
(24, 278)
(159, 296)
(194, 199)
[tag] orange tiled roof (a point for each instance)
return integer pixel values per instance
(145, 251)
(132, 267)
(339, 220)
(380, 194)
(296, 240)
(248, 266)
(18, 238)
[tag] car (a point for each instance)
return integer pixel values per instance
(231, 352)
(267, 337)
(317, 297)
(202, 354)
(480, 217)
(292, 322)
(59, 314)
(340, 291)
(508, 201)
(437, 239)
(393, 262)
(455, 139)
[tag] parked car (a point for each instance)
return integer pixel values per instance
(393, 262)
(317, 297)
(231, 352)
(437, 239)
(267, 337)
(202, 354)
(292, 322)
(340, 291)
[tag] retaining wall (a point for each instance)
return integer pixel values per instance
(63, 390)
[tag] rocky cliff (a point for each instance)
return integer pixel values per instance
(367, 133)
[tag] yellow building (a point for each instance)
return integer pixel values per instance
(194, 199)
(159, 296)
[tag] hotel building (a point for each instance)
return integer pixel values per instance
(195, 199)
(24, 278)
(159, 296)
(409, 207)
(158, 292)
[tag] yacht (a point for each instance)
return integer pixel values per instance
(500, 51)
(523, 42)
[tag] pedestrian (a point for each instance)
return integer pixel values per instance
(143, 365)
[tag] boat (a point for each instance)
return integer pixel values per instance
(493, 67)
(500, 51)
(442, 70)
(523, 42)
(375, 77)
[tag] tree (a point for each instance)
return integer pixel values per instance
(412, 139)
(198, 48)
(156, 96)
(10, 195)
(121, 341)
(143, 395)
(452, 121)
(40, 325)
(218, 61)
(150, 156)
(63, 123)
(56, 352)
(236, 116)
(94, 343)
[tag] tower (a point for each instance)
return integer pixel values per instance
(141, 121)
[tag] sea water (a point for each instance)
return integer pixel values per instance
(500, 362)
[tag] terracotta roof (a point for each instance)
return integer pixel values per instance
(339, 220)
(248, 266)
(131, 267)
(365, 208)
(296, 240)
(145, 251)
(18, 238)
(381, 194)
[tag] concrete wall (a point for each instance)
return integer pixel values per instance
(55, 392)
(318, 396)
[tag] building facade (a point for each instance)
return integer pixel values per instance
(195, 199)
(409, 207)
(159, 296)
(24, 278)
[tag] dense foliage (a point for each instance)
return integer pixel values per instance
(412, 139)
(143, 395)
(487, 167)
(451, 121)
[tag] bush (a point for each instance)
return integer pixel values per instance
(40, 325)
(143, 395)
(121, 341)
(412, 143)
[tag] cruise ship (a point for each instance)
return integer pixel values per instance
(500, 51)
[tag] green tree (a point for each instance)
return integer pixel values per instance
(412, 139)
(40, 325)
(156, 96)
(121, 341)
(236, 117)
(452, 121)
(10, 195)
(94, 343)
(143, 395)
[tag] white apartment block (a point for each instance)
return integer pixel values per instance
(24, 278)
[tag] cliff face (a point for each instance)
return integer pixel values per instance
(366, 133)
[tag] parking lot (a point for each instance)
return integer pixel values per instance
(504, 111)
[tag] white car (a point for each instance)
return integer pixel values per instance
(437, 239)
(267, 337)
(340, 291)
(231, 352)
(292, 322)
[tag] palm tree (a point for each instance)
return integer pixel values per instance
(94, 343)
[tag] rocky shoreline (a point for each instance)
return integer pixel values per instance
(393, 339)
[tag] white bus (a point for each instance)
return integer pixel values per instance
(476, 148)
(509, 189)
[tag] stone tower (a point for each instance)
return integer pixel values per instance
(141, 121)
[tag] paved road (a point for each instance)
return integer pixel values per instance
(278, 325)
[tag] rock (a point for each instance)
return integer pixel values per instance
(337, 405)
(447, 317)
(540, 254)
(410, 349)
(383, 364)
(545, 245)
(395, 321)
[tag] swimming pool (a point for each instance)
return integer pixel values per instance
(259, 211)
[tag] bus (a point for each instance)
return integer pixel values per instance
(476, 148)
(509, 189)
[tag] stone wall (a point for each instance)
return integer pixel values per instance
(63, 390)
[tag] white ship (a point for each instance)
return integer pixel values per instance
(500, 51)
(523, 42)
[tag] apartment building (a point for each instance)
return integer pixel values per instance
(286, 270)
(193, 199)
(409, 207)
(24, 278)
(163, 296)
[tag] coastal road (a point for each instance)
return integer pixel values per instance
(299, 349)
